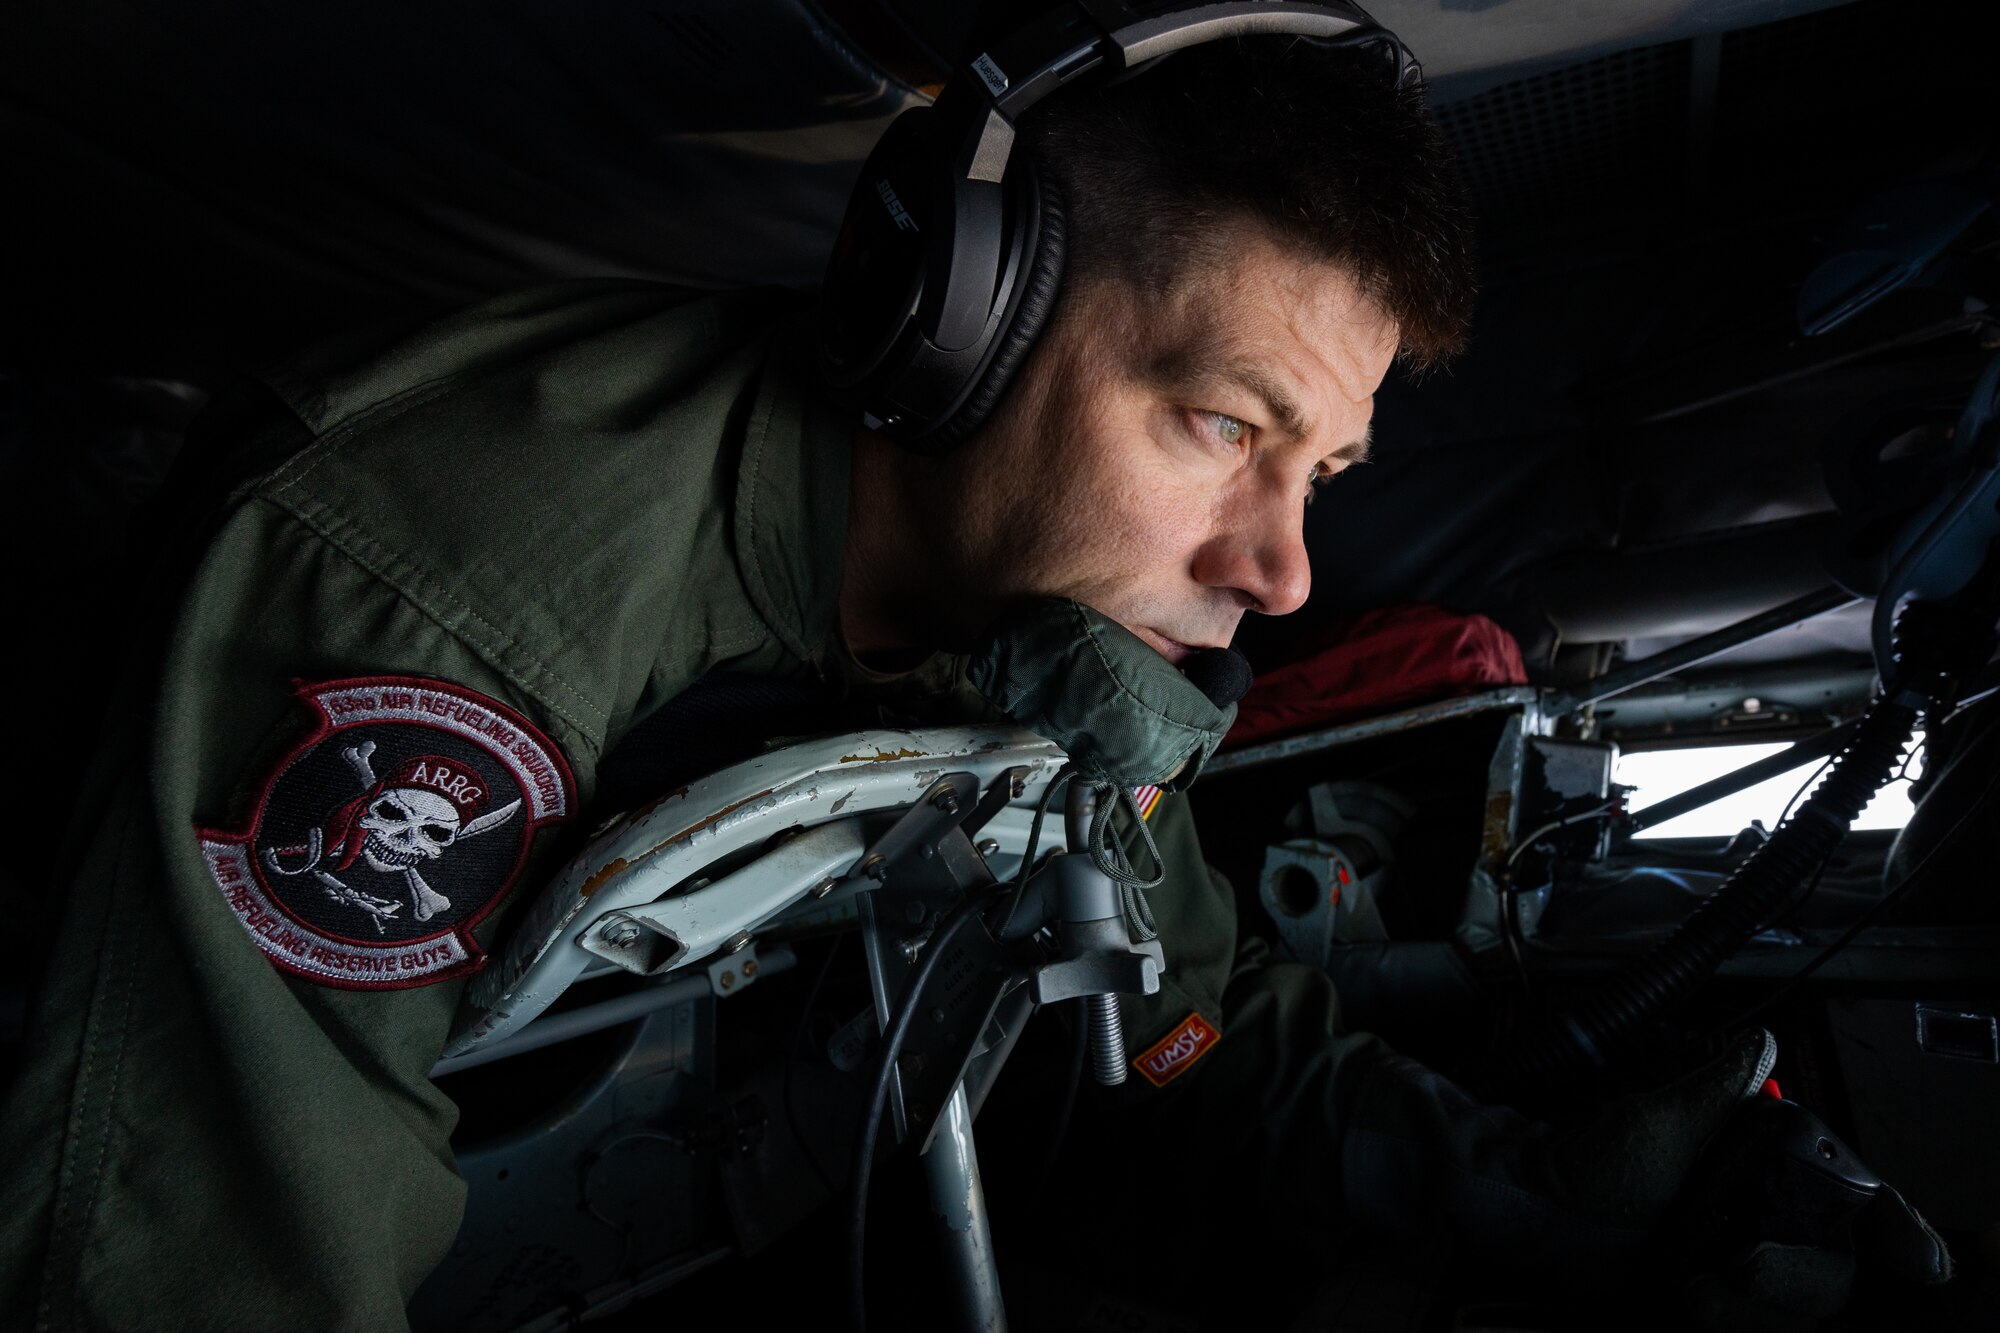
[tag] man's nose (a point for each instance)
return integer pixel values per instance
(1265, 560)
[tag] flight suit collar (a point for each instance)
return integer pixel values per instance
(791, 498)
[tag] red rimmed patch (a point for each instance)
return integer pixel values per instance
(383, 837)
(1174, 1054)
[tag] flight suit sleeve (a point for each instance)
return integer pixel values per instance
(204, 1134)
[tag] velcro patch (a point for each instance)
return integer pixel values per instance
(1174, 1054)
(1147, 799)
(381, 839)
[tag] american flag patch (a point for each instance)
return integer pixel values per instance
(1147, 799)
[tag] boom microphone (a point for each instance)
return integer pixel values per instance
(1223, 674)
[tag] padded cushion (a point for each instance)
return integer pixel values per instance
(1030, 316)
(1122, 712)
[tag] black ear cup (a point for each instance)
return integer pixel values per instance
(926, 279)
(876, 271)
(1033, 301)
(909, 227)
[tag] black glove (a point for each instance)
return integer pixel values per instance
(1780, 1215)
(1695, 1172)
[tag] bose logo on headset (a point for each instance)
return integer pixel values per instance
(895, 205)
(921, 328)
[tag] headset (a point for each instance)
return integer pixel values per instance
(951, 253)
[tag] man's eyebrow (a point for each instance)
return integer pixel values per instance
(1180, 371)
(1355, 451)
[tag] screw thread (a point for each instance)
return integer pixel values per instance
(1107, 1039)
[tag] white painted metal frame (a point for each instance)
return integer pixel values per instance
(636, 895)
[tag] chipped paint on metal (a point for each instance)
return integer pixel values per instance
(712, 820)
(881, 756)
(598, 878)
(654, 804)
(620, 865)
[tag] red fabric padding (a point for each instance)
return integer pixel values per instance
(1376, 663)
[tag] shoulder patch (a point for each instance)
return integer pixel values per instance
(1147, 799)
(380, 840)
(1174, 1054)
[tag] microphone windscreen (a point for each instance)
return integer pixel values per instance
(1223, 674)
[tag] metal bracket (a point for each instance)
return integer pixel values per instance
(1101, 960)
(925, 866)
(651, 938)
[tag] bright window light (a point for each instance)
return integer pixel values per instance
(1658, 774)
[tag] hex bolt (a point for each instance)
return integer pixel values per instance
(824, 887)
(947, 801)
(749, 968)
(910, 950)
(737, 943)
(621, 933)
(989, 847)
(727, 981)
(1107, 1039)
(875, 867)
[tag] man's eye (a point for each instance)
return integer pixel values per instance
(1227, 428)
(1321, 474)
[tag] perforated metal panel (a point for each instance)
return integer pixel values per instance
(1579, 138)
(1817, 104)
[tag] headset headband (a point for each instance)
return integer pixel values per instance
(1078, 38)
(998, 85)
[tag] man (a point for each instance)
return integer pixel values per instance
(438, 579)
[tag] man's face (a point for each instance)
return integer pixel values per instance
(1155, 458)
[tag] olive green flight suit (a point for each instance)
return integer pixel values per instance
(575, 501)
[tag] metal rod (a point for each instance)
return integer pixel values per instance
(1107, 1039)
(1695, 651)
(552, 1028)
(1787, 759)
(1347, 733)
(958, 1202)
(1079, 806)
(1101, 1012)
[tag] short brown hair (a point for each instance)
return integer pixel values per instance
(1316, 142)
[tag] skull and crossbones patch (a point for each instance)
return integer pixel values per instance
(381, 839)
